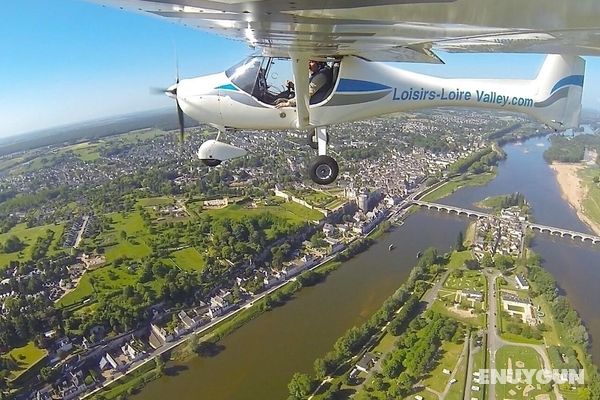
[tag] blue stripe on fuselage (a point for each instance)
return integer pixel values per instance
(569, 80)
(227, 86)
(356, 85)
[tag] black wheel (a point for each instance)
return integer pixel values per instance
(210, 162)
(311, 138)
(324, 170)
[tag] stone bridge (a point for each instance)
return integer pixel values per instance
(584, 237)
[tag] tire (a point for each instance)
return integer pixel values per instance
(210, 162)
(324, 170)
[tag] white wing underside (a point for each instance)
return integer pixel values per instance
(390, 30)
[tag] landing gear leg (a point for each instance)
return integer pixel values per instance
(324, 169)
(311, 138)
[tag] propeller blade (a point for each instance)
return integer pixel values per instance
(159, 91)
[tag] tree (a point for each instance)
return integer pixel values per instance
(404, 383)
(487, 261)
(460, 241)
(47, 374)
(12, 245)
(321, 368)
(300, 386)
(504, 263)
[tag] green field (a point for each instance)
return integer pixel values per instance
(84, 289)
(188, 259)
(8, 163)
(436, 379)
(29, 237)
(454, 184)
(591, 203)
(105, 280)
(290, 211)
(110, 277)
(456, 390)
(25, 357)
(156, 201)
(139, 136)
(134, 246)
(472, 280)
(479, 362)
(458, 259)
(85, 151)
(518, 357)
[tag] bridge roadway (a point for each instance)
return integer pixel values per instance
(584, 237)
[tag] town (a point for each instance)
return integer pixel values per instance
(90, 236)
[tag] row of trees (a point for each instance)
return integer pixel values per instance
(416, 351)
(566, 315)
(569, 149)
(477, 162)
(355, 338)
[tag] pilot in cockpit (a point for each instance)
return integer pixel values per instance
(318, 86)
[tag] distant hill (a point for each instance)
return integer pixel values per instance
(165, 119)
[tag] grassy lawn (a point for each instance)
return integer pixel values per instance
(189, 259)
(25, 357)
(134, 246)
(456, 390)
(516, 357)
(386, 344)
(472, 280)
(292, 212)
(479, 362)
(155, 201)
(110, 278)
(335, 203)
(29, 237)
(84, 289)
(458, 259)
(8, 163)
(454, 184)
(424, 394)
(318, 199)
(103, 280)
(85, 151)
(591, 203)
(436, 379)
(141, 135)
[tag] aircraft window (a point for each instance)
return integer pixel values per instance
(265, 78)
(244, 75)
(332, 70)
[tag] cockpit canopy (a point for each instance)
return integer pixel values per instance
(268, 78)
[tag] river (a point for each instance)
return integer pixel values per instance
(257, 360)
(574, 265)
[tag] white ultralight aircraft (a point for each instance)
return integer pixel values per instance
(351, 39)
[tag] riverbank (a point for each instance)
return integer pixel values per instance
(205, 342)
(574, 190)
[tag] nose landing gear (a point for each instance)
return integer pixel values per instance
(213, 152)
(324, 169)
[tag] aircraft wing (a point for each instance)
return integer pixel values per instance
(390, 30)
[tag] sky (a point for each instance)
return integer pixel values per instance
(67, 61)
